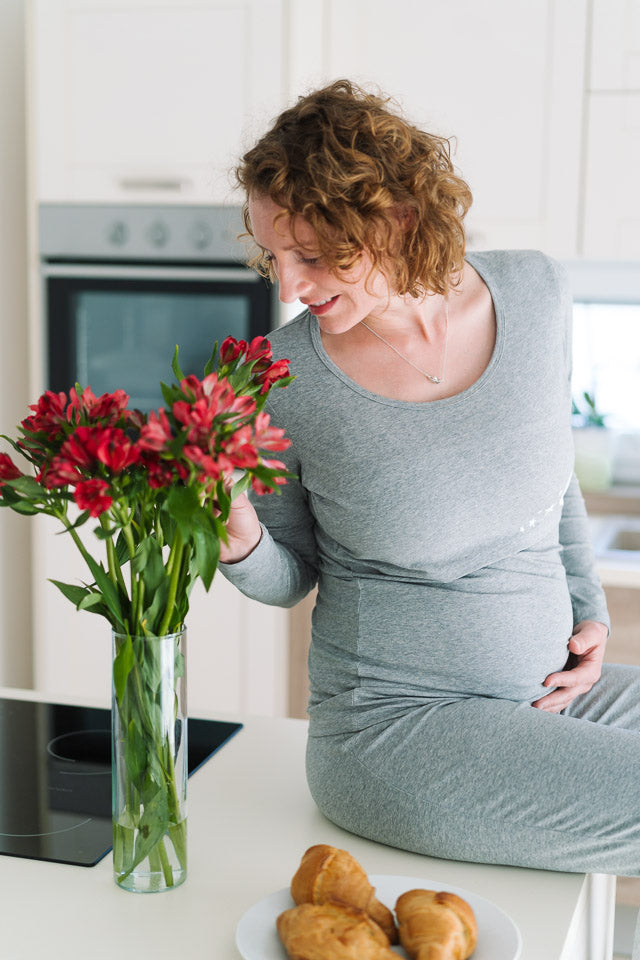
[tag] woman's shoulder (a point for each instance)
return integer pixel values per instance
(510, 262)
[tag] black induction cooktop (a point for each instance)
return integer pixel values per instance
(55, 778)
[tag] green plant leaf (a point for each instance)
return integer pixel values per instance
(148, 563)
(107, 588)
(207, 548)
(175, 366)
(211, 364)
(122, 665)
(72, 592)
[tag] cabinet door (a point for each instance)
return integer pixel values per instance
(148, 100)
(504, 78)
(615, 45)
(612, 198)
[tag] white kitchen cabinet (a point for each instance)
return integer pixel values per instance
(149, 100)
(611, 218)
(505, 79)
(237, 649)
(612, 197)
(615, 46)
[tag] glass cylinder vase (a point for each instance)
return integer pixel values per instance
(149, 762)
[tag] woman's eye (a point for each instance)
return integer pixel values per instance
(309, 260)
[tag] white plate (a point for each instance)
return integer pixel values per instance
(498, 936)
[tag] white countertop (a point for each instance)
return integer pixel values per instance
(250, 819)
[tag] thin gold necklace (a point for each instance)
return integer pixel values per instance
(427, 376)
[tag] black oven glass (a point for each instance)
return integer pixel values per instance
(107, 334)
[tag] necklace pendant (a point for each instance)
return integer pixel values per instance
(433, 379)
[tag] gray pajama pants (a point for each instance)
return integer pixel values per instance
(495, 781)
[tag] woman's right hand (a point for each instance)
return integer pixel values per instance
(243, 531)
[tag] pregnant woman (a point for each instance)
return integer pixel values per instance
(459, 706)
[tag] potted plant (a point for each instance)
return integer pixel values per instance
(593, 445)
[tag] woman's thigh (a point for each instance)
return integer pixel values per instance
(494, 781)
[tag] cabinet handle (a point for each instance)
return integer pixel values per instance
(162, 184)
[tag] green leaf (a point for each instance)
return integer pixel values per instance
(240, 486)
(152, 826)
(175, 366)
(107, 588)
(153, 613)
(211, 364)
(148, 563)
(72, 592)
(28, 487)
(17, 505)
(183, 503)
(94, 603)
(122, 665)
(207, 548)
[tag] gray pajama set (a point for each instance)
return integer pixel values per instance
(450, 545)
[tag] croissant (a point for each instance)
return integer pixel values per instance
(327, 873)
(436, 926)
(332, 931)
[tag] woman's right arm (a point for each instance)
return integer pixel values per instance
(271, 555)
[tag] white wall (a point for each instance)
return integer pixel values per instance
(15, 603)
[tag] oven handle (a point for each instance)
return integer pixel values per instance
(127, 272)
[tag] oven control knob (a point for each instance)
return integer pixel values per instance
(117, 233)
(201, 235)
(158, 234)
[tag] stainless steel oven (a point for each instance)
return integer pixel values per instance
(123, 285)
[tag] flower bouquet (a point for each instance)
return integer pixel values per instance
(160, 486)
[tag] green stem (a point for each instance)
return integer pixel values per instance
(174, 565)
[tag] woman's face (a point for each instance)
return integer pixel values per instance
(339, 302)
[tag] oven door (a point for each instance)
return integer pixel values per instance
(117, 326)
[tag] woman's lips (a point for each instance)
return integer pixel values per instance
(317, 309)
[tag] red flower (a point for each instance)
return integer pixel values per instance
(203, 460)
(8, 469)
(269, 438)
(231, 349)
(49, 414)
(59, 473)
(109, 406)
(114, 449)
(259, 349)
(239, 450)
(156, 432)
(274, 372)
(81, 448)
(92, 495)
(262, 488)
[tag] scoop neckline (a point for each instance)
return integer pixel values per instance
(498, 307)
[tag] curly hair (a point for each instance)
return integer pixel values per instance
(350, 166)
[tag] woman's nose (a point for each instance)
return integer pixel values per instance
(293, 284)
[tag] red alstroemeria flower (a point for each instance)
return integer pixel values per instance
(8, 469)
(205, 461)
(59, 473)
(231, 349)
(274, 372)
(259, 349)
(267, 437)
(239, 450)
(155, 434)
(109, 406)
(114, 449)
(49, 414)
(81, 448)
(92, 495)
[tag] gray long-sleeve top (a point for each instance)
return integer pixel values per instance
(449, 539)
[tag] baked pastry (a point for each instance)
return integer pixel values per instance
(436, 926)
(327, 873)
(332, 931)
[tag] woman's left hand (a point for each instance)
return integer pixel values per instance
(586, 649)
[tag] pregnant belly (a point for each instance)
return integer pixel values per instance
(496, 633)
